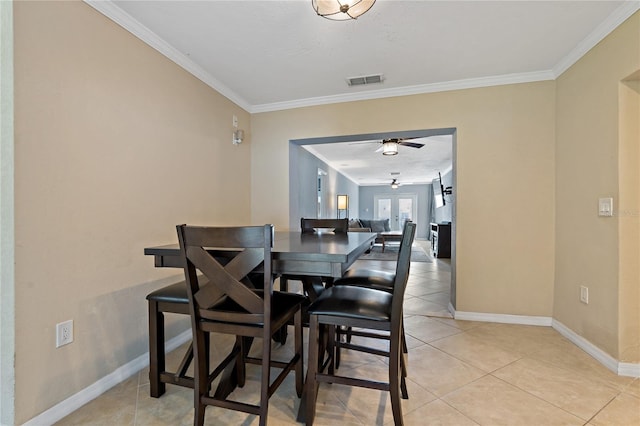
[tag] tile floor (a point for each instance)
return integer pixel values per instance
(460, 373)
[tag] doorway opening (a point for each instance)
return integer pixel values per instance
(399, 208)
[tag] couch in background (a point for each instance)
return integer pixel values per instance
(373, 225)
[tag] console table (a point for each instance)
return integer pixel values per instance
(441, 239)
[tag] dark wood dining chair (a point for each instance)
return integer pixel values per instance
(337, 226)
(371, 278)
(377, 311)
(172, 299)
(227, 302)
(313, 286)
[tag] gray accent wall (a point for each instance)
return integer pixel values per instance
(303, 170)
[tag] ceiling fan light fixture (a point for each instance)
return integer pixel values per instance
(389, 148)
(341, 10)
(394, 184)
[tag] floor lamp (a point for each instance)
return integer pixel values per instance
(343, 205)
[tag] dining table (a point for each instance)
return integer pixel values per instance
(323, 254)
(318, 254)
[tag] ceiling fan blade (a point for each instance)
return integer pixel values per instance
(411, 144)
(379, 149)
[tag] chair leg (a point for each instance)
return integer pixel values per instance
(284, 283)
(241, 369)
(337, 349)
(281, 335)
(156, 350)
(331, 347)
(312, 384)
(403, 376)
(266, 376)
(395, 352)
(299, 348)
(404, 339)
(201, 374)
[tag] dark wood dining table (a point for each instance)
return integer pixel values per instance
(294, 253)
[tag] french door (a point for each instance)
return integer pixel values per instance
(398, 208)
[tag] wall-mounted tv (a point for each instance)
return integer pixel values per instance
(438, 191)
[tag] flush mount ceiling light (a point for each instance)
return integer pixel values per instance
(341, 10)
(389, 148)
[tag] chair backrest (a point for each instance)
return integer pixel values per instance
(226, 257)
(339, 226)
(402, 267)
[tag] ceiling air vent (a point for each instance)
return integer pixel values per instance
(366, 79)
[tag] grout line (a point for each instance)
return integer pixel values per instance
(135, 414)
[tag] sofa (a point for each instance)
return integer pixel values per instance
(373, 225)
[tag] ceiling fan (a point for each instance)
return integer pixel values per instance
(394, 180)
(390, 146)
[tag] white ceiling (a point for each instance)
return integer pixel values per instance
(363, 165)
(272, 55)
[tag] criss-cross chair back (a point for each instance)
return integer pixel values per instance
(226, 258)
(229, 286)
(338, 226)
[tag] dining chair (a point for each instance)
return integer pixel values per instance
(313, 286)
(311, 225)
(172, 299)
(224, 300)
(379, 312)
(372, 278)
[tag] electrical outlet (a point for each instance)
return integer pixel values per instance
(64, 333)
(584, 294)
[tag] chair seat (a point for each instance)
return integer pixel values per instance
(381, 280)
(175, 293)
(282, 304)
(353, 302)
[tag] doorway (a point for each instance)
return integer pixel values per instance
(303, 186)
(321, 207)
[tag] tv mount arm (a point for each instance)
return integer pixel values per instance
(445, 191)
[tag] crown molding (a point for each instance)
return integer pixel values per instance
(616, 18)
(126, 21)
(471, 83)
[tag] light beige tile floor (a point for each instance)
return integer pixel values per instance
(460, 373)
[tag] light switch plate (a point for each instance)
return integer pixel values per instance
(605, 207)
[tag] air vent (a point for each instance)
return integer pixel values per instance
(366, 79)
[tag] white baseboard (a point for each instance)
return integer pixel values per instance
(620, 368)
(628, 369)
(71, 404)
(503, 318)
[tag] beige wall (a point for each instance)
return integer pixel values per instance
(629, 221)
(114, 146)
(101, 121)
(588, 150)
(505, 181)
